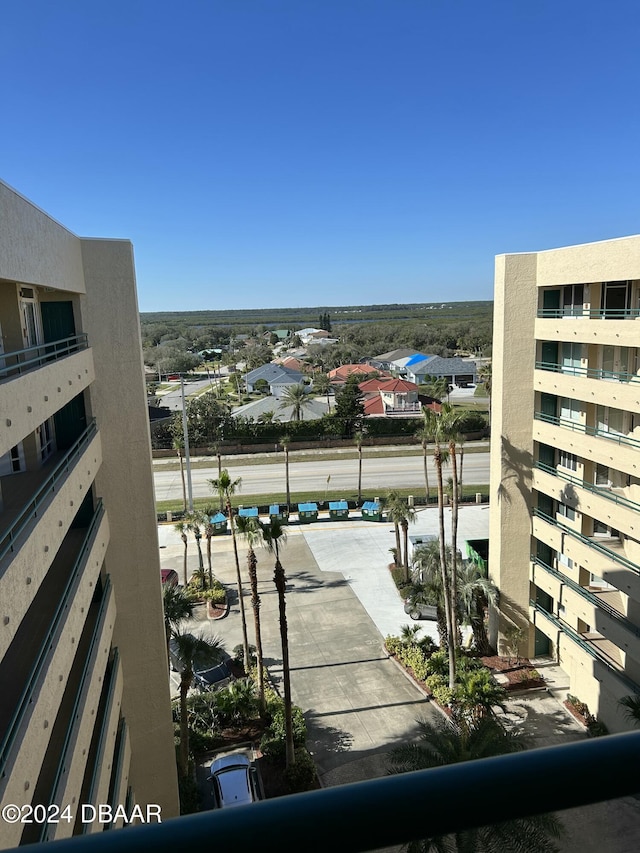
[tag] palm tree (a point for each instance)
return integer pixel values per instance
(434, 425)
(194, 522)
(631, 706)
(226, 488)
(484, 375)
(181, 527)
(428, 583)
(208, 532)
(358, 438)
(423, 435)
(249, 528)
(216, 449)
(177, 607)
(272, 534)
(477, 694)
(393, 506)
(178, 446)
(285, 441)
(189, 649)
(442, 744)
(322, 384)
(475, 593)
(295, 396)
(449, 424)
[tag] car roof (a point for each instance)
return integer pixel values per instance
(232, 776)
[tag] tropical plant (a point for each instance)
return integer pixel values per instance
(177, 607)
(250, 529)
(273, 534)
(182, 528)
(475, 593)
(216, 449)
(394, 509)
(187, 649)
(428, 588)
(445, 743)
(178, 446)
(208, 513)
(295, 396)
(322, 384)
(349, 406)
(514, 636)
(631, 707)
(226, 488)
(194, 522)
(450, 431)
(477, 694)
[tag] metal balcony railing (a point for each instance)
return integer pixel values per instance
(601, 491)
(394, 810)
(21, 361)
(33, 508)
(41, 662)
(588, 372)
(589, 313)
(66, 754)
(589, 541)
(576, 426)
(588, 647)
(588, 596)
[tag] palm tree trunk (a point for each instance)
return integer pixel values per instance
(443, 566)
(398, 545)
(426, 471)
(209, 560)
(184, 562)
(405, 538)
(255, 603)
(245, 640)
(359, 475)
(286, 475)
(184, 483)
(460, 478)
(184, 729)
(280, 581)
(219, 477)
(454, 542)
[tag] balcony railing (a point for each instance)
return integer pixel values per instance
(66, 753)
(366, 816)
(576, 426)
(589, 541)
(588, 647)
(574, 311)
(21, 361)
(588, 596)
(588, 372)
(601, 491)
(33, 509)
(41, 662)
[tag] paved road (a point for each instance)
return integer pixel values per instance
(381, 473)
(173, 399)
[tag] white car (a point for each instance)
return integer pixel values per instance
(234, 780)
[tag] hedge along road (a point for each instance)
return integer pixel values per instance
(382, 474)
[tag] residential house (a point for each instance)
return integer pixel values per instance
(276, 376)
(339, 375)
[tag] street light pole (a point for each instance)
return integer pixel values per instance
(187, 459)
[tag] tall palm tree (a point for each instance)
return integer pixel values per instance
(216, 449)
(182, 528)
(285, 441)
(358, 438)
(394, 509)
(194, 522)
(434, 425)
(178, 446)
(428, 586)
(443, 743)
(449, 424)
(484, 375)
(273, 533)
(423, 435)
(295, 396)
(250, 529)
(177, 607)
(322, 384)
(631, 706)
(190, 649)
(209, 512)
(475, 593)
(226, 488)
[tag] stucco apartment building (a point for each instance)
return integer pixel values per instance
(84, 705)
(565, 464)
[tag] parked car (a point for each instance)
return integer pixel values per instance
(205, 675)
(418, 610)
(234, 780)
(169, 577)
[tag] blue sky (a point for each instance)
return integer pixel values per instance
(305, 152)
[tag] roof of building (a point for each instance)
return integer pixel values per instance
(418, 357)
(393, 386)
(270, 372)
(338, 505)
(438, 366)
(291, 363)
(373, 406)
(345, 370)
(395, 354)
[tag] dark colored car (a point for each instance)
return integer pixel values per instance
(418, 610)
(205, 675)
(169, 577)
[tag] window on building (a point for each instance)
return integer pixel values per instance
(567, 460)
(571, 357)
(565, 561)
(566, 511)
(572, 300)
(570, 410)
(616, 299)
(602, 475)
(46, 439)
(610, 420)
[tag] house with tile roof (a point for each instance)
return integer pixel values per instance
(339, 375)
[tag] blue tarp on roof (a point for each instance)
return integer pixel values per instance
(218, 518)
(338, 505)
(417, 358)
(371, 506)
(307, 507)
(248, 512)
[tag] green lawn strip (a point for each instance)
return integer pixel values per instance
(469, 491)
(303, 456)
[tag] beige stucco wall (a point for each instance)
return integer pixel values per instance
(125, 481)
(607, 260)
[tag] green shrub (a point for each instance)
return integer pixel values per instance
(438, 663)
(596, 728)
(302, 776)
(439, 689)
(413, 657)
(273, 740)
(189, 796)
(393, 645)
